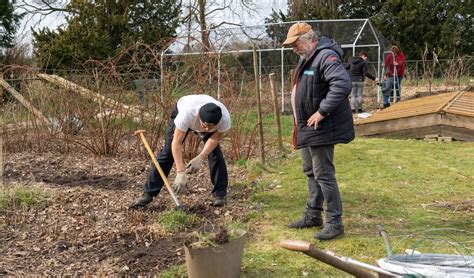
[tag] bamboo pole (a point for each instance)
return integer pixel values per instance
(259, 105)
(276, 111)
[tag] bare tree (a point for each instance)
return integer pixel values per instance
(429, 71)
(37, 10)
(213, 14)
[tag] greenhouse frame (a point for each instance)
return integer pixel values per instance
(352, 35)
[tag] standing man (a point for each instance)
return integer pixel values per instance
(211, 120)
(323, 118)
(358, 70)
(395, 62)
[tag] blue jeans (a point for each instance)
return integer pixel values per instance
(388, 88)
(322, 185)
(217, 166)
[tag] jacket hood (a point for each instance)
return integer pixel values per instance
(357, 60)
(327, 43)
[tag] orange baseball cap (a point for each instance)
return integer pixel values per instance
(295, 31)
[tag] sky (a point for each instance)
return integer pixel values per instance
(264, 8)
(36, 22)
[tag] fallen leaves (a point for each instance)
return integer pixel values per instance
(87, 227)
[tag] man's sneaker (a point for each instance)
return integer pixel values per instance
(142, 201)
(330, 231)
(306, 222)
(219, 201)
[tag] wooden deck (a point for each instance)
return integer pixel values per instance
(445, 115)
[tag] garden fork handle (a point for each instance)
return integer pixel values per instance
(141, 134)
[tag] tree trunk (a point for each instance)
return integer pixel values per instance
(203, 25)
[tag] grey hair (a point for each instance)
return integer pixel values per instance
(309, 36)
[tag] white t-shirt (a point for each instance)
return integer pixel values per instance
(188, 114)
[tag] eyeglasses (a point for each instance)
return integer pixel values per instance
(208, 125)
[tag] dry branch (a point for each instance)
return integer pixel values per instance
(96, 97)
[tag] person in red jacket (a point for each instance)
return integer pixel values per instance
(395, 64)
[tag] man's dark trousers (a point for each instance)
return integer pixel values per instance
(322, 185)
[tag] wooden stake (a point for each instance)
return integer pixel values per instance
(259, 105)
(276, 111)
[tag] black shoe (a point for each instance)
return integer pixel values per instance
(219, 201)
(353, 111)
(360, 111)
(306, 222)
(142, 201)
(330, 231)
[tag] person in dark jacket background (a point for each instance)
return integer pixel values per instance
(358, 70)
(322, 118)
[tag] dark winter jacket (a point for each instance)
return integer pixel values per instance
(322, 84)
(358, 69)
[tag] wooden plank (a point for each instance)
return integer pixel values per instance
(457, 133)
(96, 97)
(450, 101)
(416, 133)
(462, 111)
(395, 116)
(25, 102)
(465, 101)
(462, 105)
(457, 121)
(396, 125)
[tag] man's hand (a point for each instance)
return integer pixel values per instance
(315, 119)
(180, 184)
(194, 165)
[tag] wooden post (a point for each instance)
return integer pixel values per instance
(1, 90)
(259, 105)
(2, 124)
(276, 111)
(292, 78)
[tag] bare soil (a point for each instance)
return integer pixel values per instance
(86, 226)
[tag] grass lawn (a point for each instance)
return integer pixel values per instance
(422, 193)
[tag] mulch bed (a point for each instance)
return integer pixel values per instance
(86, 226)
